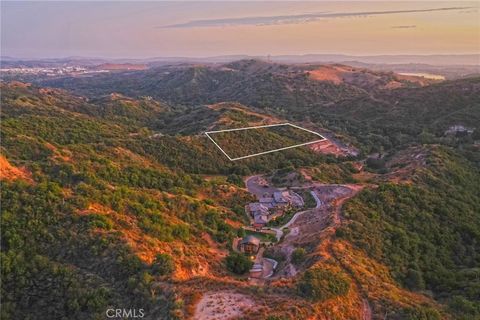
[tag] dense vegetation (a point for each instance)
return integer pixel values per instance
(322, 284)
(241, 143)
(376, 118)
(67, 234)
(427, 233)
(238, 263)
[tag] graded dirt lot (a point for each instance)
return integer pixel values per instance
(222, 305)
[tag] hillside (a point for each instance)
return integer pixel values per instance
(112, 194)
(377, 108)
(92, 216)
(425, 230)
(251, 82)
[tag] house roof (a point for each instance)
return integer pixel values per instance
(282, 196)
(260, 218)
(251, 239)
(265, 199)
(257, 206)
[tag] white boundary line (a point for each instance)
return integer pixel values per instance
(269, 151)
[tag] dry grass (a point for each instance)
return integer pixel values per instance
(327, 73)
(198, 259)
(10, 173)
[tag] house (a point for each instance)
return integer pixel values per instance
(260, 220)
(267, 201)
(458, 129)
(249, 245)
(257, 208)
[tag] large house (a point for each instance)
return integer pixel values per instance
(257, 208)
(267, 201)
(269, 204)
(260, 213)
(249, 245)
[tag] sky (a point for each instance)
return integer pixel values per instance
(203, 29)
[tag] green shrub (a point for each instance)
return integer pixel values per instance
(319, 284)
(238, 263)
(298, 255)
(235, 179)
(99, 221)
(163, 264)
(420, 313)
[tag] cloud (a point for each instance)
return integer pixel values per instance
(404, 27)
(293, 19)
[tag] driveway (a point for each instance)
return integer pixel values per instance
(255, 188)
(279, 232)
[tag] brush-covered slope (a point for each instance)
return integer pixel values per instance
(426, 230)
(250, 82)
(88, 223)
(378, 108)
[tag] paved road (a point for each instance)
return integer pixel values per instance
(279, 232)
(317, 200)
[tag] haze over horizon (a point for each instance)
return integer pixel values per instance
(194, 29)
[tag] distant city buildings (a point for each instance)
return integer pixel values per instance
(56, 71)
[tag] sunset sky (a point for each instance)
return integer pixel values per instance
(199, 29)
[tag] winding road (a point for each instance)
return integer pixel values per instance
(279, 231)
(337, 198)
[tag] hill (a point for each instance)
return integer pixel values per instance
(112, 195)
(88, 223)
(251, 82)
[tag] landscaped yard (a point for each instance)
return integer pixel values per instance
(283, 219)
(264, 237)
(308, 199)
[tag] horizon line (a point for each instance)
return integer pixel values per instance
(6, 56)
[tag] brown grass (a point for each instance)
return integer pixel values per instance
(196, 259)
(327, 73)
(9, 172)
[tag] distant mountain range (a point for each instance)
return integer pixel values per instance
(447, 66)
(435, 59)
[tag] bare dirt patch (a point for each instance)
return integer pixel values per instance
(327, 147)
(222, 305)
(327, 73)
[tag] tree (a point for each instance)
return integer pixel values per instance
(414, 280)
(238, 263)
(235, 179)
(298, 255)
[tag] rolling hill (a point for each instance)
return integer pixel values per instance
(112, 195)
